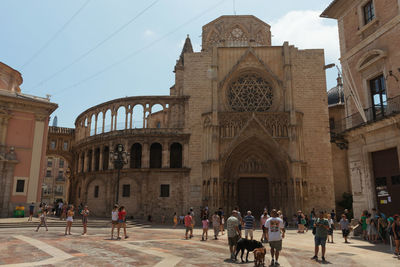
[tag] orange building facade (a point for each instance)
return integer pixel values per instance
(23, 138)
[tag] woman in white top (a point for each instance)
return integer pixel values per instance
(331, 227)
(70, 219)
(114, 220)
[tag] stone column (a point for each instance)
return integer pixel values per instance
(6, 180)
(165, 155)
(86, 162)
(126, 120)
(101, 158)
(126, 147)
(110, 159)
(79, 162)
(131, 118)
(95, 125)
(93, 159)
(185, 155)
(103, 125)
(112, 122)
(145, 156)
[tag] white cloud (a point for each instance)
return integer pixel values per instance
(306, 30)
(148, 32)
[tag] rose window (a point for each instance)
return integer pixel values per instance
(250, 92)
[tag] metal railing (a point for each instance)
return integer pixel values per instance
(61, 130)
(390, 107)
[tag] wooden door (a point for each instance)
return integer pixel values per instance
(387, 180)
(253, 195)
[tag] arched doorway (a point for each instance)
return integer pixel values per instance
(256, 175)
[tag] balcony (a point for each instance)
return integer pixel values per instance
(373, 114)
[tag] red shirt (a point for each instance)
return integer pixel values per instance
(121, 215)
(188, 220)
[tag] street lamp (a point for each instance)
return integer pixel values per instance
(120, 158)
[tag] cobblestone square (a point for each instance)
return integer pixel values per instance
(162, 246)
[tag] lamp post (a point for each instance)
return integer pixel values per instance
(120, 158)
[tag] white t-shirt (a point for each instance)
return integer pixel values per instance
(274, 226)
(114, 215)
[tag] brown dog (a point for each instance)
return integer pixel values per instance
(259, 256)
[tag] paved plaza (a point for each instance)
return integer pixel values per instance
(162, 246)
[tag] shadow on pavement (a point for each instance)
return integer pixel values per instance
(380, 248)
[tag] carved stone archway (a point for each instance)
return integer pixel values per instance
(254, 155)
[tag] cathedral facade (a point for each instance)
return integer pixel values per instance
(245, 125)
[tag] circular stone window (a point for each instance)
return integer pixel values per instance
(250, 92)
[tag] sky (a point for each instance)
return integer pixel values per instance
(86, 52)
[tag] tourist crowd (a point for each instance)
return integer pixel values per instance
(376, 226)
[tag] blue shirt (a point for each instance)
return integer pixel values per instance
(249, 222)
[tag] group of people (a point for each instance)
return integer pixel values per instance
(273, 231)
(118, 219)
(377, 227)
(44, 210)
(217, 220)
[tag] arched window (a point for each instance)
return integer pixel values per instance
(155, 155)
(175, 158)
(106, 154)
(136, 156)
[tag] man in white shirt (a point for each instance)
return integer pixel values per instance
(274, 227)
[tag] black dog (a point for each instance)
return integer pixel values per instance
(247, 244)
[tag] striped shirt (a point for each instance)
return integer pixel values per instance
(249, 222)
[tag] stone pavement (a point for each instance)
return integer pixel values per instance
(162, 246)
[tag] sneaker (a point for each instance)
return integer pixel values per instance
(315, 258)
(126, 237)
(272, 262)
(118, 238)
(277, 263)
(323, 259)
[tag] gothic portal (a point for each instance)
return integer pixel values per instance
(245, 124)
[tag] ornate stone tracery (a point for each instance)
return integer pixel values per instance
(253, 164)
(250, 93)
(276, 123)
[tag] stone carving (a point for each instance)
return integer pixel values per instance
(250, 92)
(253, 165)
(277, 123)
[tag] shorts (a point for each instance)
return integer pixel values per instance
(70, 219)
(248, 232)
(188, 228)
(84, 220)
(397, 237)
(114, 222)
(277, 245)
(330, 231)
(345, 232)
(320, 241)
(121, 221)
(30, 213)
(232, 241)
